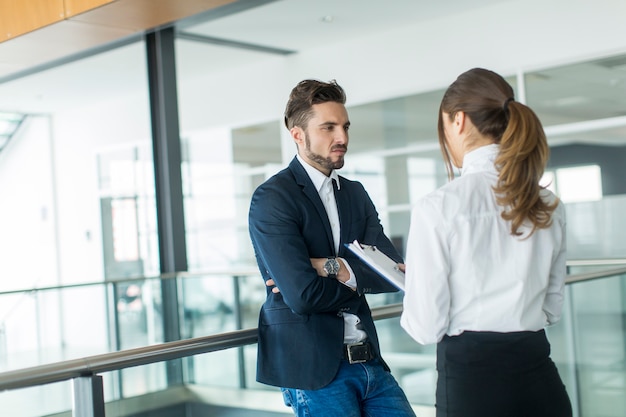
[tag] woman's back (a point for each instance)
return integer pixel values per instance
(491, 279)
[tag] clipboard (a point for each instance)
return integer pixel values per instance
(379, 262)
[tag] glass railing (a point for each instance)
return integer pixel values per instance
(219, 359)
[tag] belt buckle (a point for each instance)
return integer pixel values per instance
(360, 354)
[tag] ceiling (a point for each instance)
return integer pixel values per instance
(311, 24)
(244, 30)
(29, 62)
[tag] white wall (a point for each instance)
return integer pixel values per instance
(27, 210)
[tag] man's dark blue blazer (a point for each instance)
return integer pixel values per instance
(301, 328)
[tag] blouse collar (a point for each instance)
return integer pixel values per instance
(480, 159)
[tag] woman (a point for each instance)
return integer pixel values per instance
(485, 263)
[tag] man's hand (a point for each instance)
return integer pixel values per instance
(270, 283)
(402, 267)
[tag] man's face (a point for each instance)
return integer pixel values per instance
(324, 142)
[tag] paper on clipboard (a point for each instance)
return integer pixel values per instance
(379, 262)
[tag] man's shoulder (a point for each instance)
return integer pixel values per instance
(276, 188)
(282, 178)
(351, 185)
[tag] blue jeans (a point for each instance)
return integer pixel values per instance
(358, 390)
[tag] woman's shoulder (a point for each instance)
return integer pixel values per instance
(440, 202)
(460, 189)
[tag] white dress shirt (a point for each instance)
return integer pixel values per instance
(464, 269)
(324, 187)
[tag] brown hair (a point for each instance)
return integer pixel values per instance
(488, 100)
(299, 109)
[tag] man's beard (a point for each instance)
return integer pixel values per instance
(326, 163)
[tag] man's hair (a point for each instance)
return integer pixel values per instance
(299, 109)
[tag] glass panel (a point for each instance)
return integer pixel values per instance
(581, 106)
(128, 211)
(412, 364)
(582, 183)
(592, 367)
(217, 304)
(578, 92)
(43, 400)
(35, 326)
(85, 320)
(209, 305)
(590, 346)
(216, 205)
(595, 228)
(52, 232)
(219, 368)
(139, 319)
(58, 149)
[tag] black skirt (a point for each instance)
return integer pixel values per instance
(486, 374)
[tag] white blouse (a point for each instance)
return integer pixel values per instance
(464, 269)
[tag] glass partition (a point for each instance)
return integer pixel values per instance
(588, 347)
(580, 92)
(592, 346)
(38, 401)
(71, 149)
(35, 328)
(596, 228)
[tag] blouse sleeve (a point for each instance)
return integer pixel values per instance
(426, 301)
(553, 303)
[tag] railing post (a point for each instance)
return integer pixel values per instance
(88, 396)
(239, 323)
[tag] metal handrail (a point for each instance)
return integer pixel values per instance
(91, 365)
(588, 276)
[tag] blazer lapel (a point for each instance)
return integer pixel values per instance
(343, 207)
(303, 180)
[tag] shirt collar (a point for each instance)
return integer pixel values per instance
(480, 159)
(317, 177)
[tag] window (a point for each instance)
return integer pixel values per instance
(575, 184)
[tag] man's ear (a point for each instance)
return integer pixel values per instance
(297, 133)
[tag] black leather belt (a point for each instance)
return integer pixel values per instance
(358, 352)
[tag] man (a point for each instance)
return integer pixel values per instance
(317, 339)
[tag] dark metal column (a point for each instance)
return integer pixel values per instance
(168, 180)
(88, 398)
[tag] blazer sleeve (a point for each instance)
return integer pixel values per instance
(282, 240)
